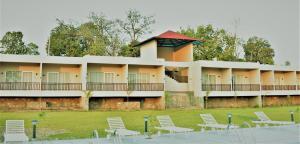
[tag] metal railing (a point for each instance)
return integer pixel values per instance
(246, 87)
(216, 87)
(61, 86)
(19, 86)
(106, 86)
(146, 86)
(285, 87)
(267, 87)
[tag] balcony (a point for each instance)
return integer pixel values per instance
(146, 86)
(61, 86)
(216, 87)
(285, 87)
(267, 87)
(19, 86)
(94, 86)
(246, 87)
(125, 87)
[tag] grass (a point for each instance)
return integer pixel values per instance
(74, 124)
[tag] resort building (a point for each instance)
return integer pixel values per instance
(165, 75)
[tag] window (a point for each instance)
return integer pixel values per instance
(96, 77)
(132, 78)
(27, 77)
(238, 79)
(53, 77)
(64, 77)
(208, 79)
(13, 76)
(109, 77)
(144, 78)
(139, 78)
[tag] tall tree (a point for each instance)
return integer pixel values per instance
(12, 43)
(135, 25)
(217, 43)
(258, 50)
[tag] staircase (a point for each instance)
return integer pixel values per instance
(174, 85)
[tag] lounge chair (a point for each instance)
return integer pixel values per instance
(117, 127)
(210, 122)
(167, 124)
(264, 119)
(15, 131)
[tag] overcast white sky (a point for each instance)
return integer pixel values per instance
(274, 20)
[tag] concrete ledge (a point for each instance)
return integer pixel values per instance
(230, 93)
(38, 93)
(125, 94)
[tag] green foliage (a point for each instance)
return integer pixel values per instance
(12, 43)
(217, 43)
(258, 50)
(99, 36)
(135, 24)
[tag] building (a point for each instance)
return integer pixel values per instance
(165, 70)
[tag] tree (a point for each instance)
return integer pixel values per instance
(12, 43)
(135, 25)
(108, 30)
(258, 50)
(217, 43)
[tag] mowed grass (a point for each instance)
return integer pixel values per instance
(74, 124)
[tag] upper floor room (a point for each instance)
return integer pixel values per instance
(170, 46)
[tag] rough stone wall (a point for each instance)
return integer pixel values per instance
(232, 102)
(122, 103)
(154, 103)
(181, 100)
(53, 103)
(281, 100)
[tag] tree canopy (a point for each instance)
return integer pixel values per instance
(258, 50)
(99, 36)
(12, 43)
(217, 43)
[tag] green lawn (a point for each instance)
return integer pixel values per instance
(74, 124)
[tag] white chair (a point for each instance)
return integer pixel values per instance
(210, 122)
(15, 131)
(117, 127)
(264, 119)
(167, 124)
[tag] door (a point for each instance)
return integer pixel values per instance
(96, 77)
(26, 76)
(53, 77)
(109, 77)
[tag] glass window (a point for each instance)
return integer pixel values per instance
(96, 77)
(53, 77)
(27, 77)
(13, 76)
(109, 77)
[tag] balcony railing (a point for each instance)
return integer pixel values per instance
(61, 86)
(285, 87)
(145, 87)
(216, 87)
(246, 87)
(19, 86)
(267, 87)
(106, 86)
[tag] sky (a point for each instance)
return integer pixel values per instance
(275, 20)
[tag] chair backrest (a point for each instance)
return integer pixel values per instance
(165, 121)
(115, 123)
(262, 116)
(14, 126)
(208, 119)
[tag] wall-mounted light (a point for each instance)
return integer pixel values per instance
(76, 75)
(43, 75)
(118, 75)
(153, 75)
(36, 74)
(2, 73)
